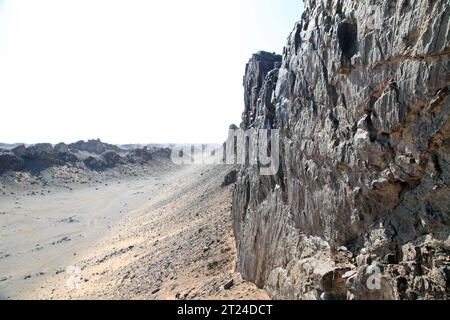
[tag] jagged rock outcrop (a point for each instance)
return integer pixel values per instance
(10, 162)
(93, 146)
(140, 155)
(361, 100)
(61, 148)
(93, 155)
(95, 163)
(230, 178)
(261, 64)
(38, 157)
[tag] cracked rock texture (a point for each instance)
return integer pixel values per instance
(360, 206)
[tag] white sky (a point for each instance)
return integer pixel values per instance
(134, 71)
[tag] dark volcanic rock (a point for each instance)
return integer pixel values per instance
(140, 155)
(9, 162)
(95, 163)
(19, 150)
(39, 157)
(41, 148)
(361, 100)
(95, 155)
(112, 159)
(93, 146)
(229, 284)
(9, 146)
(230, 178)
(66, 157)
(161, 152)
(255, 73)
(61, 148)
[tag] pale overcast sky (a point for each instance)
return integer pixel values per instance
(131, 71)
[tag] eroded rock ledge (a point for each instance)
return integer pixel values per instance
(361, 99)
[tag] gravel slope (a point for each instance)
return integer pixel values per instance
(162, 236)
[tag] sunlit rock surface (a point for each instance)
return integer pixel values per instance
(361, 99)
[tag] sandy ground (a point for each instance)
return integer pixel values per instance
(165, 235)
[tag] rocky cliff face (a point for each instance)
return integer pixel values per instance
(361, 99)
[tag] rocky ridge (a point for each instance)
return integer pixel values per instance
(361, 99)
(92, 155)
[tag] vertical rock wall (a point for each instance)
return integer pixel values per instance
(361, 99)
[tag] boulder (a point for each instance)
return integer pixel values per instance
(230, 178)
(61, 148)
(94, 163)
(112, 159)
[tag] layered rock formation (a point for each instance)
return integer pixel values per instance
(360, 206)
